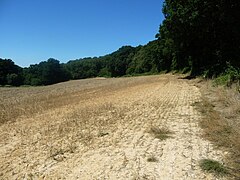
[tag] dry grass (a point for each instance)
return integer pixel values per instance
(28, 101)
(52, 123)
(221, 122)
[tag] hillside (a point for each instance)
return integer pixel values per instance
(120, 128)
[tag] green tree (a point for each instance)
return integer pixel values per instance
(10, 73)
(204, 35)
(45, 73)
(14, 79)
(119, 61)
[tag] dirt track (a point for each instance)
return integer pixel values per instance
(100, 129)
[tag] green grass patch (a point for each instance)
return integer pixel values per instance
(221, 80)
(214, 167)
(229, 77)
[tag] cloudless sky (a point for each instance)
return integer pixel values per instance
(35, 30)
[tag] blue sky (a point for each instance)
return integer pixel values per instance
(35, 30)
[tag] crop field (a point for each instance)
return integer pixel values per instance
(118, 128)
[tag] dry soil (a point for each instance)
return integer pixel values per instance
(101, 129)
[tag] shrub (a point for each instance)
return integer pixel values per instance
(230, 76)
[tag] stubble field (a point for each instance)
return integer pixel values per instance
(119, 128)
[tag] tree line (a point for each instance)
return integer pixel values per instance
(125, 61)
(197, 36)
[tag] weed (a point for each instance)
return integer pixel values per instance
(214, 167)
(101, 134)
(160, 133)
(152, 159)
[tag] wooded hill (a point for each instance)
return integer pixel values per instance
(197, 36)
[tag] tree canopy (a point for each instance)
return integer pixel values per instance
(204, 35)
(10, 73)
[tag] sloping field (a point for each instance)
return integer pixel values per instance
(122, 128)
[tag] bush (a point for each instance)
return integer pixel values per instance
(230, 76)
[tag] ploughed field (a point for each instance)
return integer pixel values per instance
(116, 128)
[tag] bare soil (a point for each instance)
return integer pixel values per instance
(101, 129)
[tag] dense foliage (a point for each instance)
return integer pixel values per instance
(45, 73)
(10, 73)
(197, 36)
(125, 61)
(203, 36)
